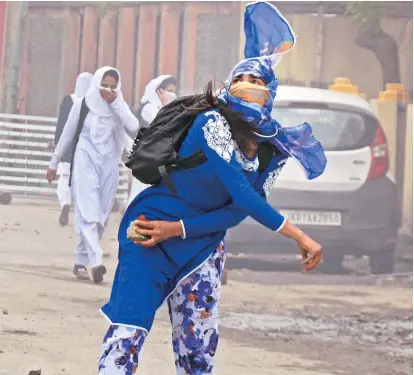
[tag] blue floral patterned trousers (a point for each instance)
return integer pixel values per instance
(193, 309)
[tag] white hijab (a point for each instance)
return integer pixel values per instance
(150, 93)
(93, 98)
(82, 85)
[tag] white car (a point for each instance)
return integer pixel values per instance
(352, 208)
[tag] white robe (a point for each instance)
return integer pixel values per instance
(95, 170)
(63, 190)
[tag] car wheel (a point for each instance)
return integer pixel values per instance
(382, 261)
(332, 263)
(5, 198)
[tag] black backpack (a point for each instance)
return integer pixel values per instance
(155, 151)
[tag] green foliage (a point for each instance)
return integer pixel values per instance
(104, 6)
(366, 13)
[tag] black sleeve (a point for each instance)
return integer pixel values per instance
(64, 110)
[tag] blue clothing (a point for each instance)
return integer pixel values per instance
(232, 214)
(268, 38)
(213, 197)
(193, 310)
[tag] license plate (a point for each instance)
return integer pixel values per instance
(322, 218)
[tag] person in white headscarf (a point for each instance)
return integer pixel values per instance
(63, 190)
(158, 93)
(102, 139)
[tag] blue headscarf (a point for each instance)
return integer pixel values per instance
(268, 38)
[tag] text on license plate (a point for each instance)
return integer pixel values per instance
(325, 218)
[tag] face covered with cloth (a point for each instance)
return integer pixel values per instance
(268, 38)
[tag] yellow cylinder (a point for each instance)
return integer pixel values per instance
(388, 95)
(350, 89)
(394, 87)
(355, 89)
(342, 80)
(343, 84)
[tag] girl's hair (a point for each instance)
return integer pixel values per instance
(168, 81)
(112, 73)
(241, 130)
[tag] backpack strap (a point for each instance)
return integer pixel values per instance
(166, 177)
(83, 113)
(266, 152)
(188, 162)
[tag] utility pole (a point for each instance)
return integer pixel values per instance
(13, 71)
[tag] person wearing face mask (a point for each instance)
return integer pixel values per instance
(158, 93)
(96, 128)
(63, 189)
(184, 265)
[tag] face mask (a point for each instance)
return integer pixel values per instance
(169, 96)
(250, 93)
(250, 101)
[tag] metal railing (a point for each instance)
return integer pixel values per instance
(24, 159)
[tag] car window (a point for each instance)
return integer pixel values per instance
(335, 129)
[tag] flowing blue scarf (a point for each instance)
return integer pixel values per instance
(269, 37)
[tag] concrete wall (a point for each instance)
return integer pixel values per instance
(45, 57)
(341, 57)
(194, 41)
(10, 33)
(408, 175)
(145, 39)
(210, 40)
(387, 114)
